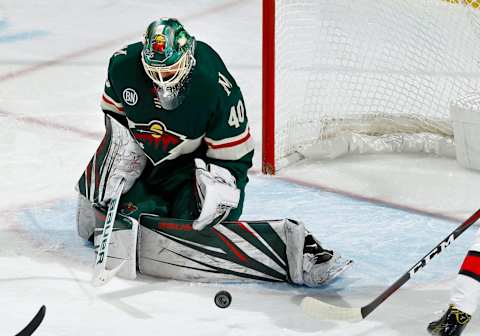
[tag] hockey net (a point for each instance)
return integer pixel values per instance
(364, 76)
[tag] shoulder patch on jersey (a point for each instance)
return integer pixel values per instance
(225, 83)
(130, 96)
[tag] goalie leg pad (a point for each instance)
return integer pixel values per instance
(85, 218)
(274, 250)
(234, 251)
(123, 243)
(309, 264)
(230, 251)
(295, 240)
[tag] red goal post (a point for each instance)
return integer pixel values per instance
(268, 87)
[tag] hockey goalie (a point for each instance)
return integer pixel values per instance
(177, 134)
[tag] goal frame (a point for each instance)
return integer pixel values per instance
(329, 146)
(268, 87)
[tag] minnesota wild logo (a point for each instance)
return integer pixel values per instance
(157, 141)
(158, 43)
(128, 208)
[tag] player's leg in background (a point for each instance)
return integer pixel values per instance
(464, 297)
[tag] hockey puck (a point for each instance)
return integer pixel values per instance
(223, 299)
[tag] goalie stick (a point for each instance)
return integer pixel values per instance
(34, 323)
(327, 311)
(100, 274)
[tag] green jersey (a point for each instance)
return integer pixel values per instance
(210, 123)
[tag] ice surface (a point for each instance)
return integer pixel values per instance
(52, 65)
(46, 263)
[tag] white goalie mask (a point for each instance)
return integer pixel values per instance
(168, 59)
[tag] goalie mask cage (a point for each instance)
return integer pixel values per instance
(364, 76)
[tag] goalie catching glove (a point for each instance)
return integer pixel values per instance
(217, 194)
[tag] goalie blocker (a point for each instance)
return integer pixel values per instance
(273, 250)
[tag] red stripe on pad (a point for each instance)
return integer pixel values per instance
(232, 247)
(245, 228)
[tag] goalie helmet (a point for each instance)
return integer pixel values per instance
(168, 59)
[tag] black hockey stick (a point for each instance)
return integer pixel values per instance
(34, 323)
(327, 311)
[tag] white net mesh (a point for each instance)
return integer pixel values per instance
(370, 68)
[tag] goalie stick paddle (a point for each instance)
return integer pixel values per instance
(100, 274)
(34, 323)
(327, 311)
